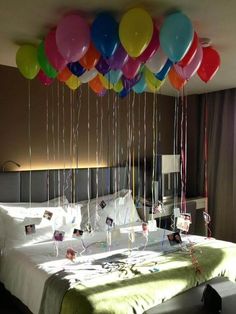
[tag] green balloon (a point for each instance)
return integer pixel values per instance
(27, 61)
(43, 62)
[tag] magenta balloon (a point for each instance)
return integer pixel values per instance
(118, 59)
(52, 53)
(152, 47)
(44, 79)
(73, 37)
(189, 70)
(131, 67)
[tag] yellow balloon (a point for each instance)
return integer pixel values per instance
(27, 61)
(135, 31)
(105, 82)
(118, 86)
(153, 83)
(73, 82)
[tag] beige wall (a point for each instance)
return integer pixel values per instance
(65, 142)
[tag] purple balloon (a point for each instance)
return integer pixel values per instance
(118, 59)
(102, 66)
(189, 70)
(102, 93)
(128, 84)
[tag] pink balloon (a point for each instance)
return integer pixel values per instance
(156, 63)
(189, 70)
(44, 79)
(73, 37)
(52, 53)
(131, 67)
(152, 47)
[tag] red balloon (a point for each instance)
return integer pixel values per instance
(44, 79)
(131, 67)
(152, 46)
(90, 59)
(64, 75)
(191, 52)
(52, 53)
(210, 64)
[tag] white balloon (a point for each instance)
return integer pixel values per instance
(157, 61)
(88, 76)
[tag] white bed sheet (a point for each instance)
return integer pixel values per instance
(25, 270)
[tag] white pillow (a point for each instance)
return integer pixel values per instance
(118, 206)
(58, 201)
(15, 219)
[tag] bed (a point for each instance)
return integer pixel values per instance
(129, 274)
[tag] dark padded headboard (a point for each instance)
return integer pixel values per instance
(75, 184)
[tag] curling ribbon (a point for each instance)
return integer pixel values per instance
(183, 151)
(208, 231)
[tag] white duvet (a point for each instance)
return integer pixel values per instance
(24, 271)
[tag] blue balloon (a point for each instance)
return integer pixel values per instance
(176, 36)
(124, 92)
(76, 68)
(140, 87)
(164, 71)
(113, 76)
(105, 34)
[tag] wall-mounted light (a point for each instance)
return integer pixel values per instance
(63, 167)
(3, 165)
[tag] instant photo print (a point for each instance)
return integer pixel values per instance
(77, 233)
(47, 214)
(183, 222)
(58, 235)
(174, 238)
(102, 204)
(109, 222)
(30, 229)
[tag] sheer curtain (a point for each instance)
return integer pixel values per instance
(221, 108)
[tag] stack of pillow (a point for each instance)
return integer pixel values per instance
(118, 206)
(28, 223)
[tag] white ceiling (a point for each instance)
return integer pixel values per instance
(27, 21)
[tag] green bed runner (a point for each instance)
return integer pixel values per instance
(137, 288)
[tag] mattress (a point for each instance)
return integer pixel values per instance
(26, 271)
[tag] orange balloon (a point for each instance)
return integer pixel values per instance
(96, 85)
(64, 75)
(176, 81)
(90, 59)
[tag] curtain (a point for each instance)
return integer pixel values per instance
(221, 139)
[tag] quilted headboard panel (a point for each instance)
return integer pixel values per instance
(10, 187)
(75, 184)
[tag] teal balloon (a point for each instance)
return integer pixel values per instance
(176, 36)
(141, 86)
(47, 68)
(113, 76)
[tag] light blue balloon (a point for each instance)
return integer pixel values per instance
(140, 87)
(164, 71)
(176, 36)
(113, 76)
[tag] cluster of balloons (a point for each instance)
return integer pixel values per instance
(135, 54)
